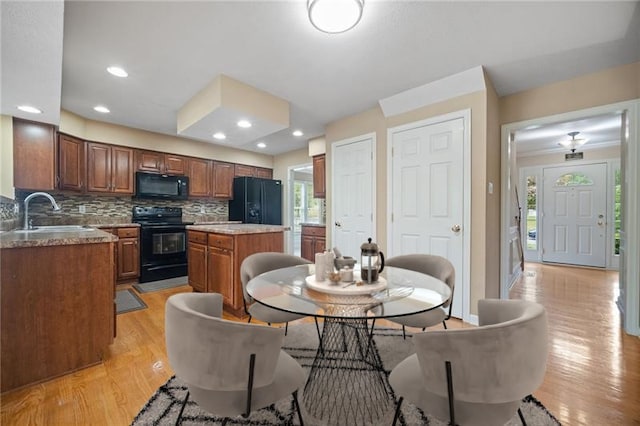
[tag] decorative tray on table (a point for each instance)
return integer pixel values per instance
(346, 288)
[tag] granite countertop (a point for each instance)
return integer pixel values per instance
(16, 239)
(238, 228)
(115, 225)
(318, 225)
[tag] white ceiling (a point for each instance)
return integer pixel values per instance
(173, 49)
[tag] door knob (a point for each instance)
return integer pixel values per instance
(456, 228)
(338, 224)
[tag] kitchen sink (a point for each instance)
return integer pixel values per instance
(57, 228)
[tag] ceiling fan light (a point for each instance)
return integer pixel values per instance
(572, 143)
(334, 16)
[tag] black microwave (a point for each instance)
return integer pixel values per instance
(167, 187)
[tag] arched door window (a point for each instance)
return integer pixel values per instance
(574, 179)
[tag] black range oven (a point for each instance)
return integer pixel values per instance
(163, 248)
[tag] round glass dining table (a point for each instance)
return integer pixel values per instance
(347, 383)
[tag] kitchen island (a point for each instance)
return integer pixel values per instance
(57, 300)
(216, 252)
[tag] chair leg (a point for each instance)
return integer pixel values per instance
(444, 324)
(404, 333)
(249, 319)
(524, 423)
(397, 415)
(286, 328)
(297, 404)
(252, 364)
(179, 419)
(452, 414)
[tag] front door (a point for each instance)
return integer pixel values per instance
(352, 194)
(574, 217)
(427, 195)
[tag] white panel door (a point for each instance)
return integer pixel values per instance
(575, 211)
(427, 194)
(352, 194)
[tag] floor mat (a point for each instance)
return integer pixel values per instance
(127, 301)
(161, 285)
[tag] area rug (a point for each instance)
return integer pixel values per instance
(161, 284)
(127, 301)
(301, 342)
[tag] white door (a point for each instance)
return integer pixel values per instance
(575, 211)
(352, 194)
(427, 195)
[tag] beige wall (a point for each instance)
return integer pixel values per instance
(98, 131)
(6, 156)
(602, 88)
(373, 121)
(607, 153)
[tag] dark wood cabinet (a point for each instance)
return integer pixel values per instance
(160, 162)
(34, 155)
(200, 178)
(198, 257)
(128, 253)
(71, 163)
(264, 173)
(220, 271)
(319, 177)
(109, 168)
(223, 174)
(313, 241)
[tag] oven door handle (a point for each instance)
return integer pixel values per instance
(152, 227)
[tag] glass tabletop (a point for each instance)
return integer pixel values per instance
(399, 292)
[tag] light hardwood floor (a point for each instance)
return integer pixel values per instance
(593, 373)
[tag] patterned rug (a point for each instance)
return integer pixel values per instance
(301, 342)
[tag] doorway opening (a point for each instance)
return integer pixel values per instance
(304, 207)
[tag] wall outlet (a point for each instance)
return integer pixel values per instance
(16, 208)
(202, 209)
(82, 208)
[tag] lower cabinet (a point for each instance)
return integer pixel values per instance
(313, 241)
(127, 252)
(215, 260)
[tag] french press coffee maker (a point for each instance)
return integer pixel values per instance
(372, 262)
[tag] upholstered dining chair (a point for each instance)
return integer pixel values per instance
(230, 368)
(259, 263)
(479, 375)
(435, 266)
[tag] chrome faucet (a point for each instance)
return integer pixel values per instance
(56, 207)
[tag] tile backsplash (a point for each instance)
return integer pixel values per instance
(102, 209)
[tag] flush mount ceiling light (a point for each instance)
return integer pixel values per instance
(572, 143)
(102, 109)
(334, 16)
(261, 145)
(29, 109)
(117, 71)
(245, 124)
(297, 133)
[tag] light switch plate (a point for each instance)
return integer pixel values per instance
(82, 208)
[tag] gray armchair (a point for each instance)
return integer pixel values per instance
(477, 376)
(259, 263)
(435, 266)
(229, 368)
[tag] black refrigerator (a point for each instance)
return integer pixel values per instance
(256, 200)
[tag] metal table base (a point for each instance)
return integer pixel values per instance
(347, 383)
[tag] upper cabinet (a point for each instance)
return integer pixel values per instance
(223, 174)
(200, 177)
(319, 179)
(109, 168)
(159, 162)
(34, 155)
(71, 163)
(260, 172)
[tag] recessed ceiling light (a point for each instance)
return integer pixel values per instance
(102, 109)
(30, 109)
(261, 145)
(297, 133)
(245, 124)
(117, 71)
(220, 136)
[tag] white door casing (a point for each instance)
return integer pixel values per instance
(353, 193)
(428, 189)
(574, 221)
